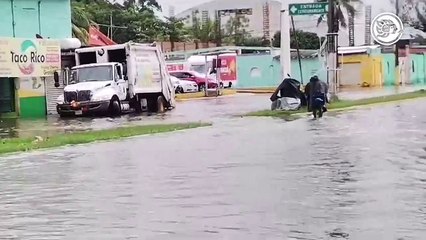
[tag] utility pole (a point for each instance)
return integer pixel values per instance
(396, 44)
(332, 43)
(111, 27)
(218, 28)
(285, 58)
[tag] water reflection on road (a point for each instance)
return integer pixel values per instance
(358, 175)
(197, 110)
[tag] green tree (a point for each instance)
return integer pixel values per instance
(307, 40)
(80, 21)
(204, 32)
(142, 4)
(173, 29)
(140, 24)
(236, 30)
(339, 6)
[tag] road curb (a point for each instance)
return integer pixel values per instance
(256, 91)
(363, 106)
(200, 95)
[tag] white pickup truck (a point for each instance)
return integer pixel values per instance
(114, 79)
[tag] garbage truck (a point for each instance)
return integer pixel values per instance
(116, 79)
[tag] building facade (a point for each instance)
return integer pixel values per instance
(264, 20)
(27, 63)
(258, 21)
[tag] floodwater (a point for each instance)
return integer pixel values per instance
(195, 110)
(357, 175)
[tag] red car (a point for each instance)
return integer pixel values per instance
(194, 76)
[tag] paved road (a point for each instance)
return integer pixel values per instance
(356, 175)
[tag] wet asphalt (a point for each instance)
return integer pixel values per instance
(354, 175)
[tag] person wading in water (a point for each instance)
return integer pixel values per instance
(316, 95)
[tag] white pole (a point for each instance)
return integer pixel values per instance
(207, 74)
(285, 57)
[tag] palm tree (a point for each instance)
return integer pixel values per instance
(81, 22)
(345, 4)
(174, 31)
(202, 32)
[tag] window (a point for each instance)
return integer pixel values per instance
(96, 73)
(117, 73)
(117, 70)
(176, 74)
(186, 75)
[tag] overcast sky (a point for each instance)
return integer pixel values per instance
(181, 5)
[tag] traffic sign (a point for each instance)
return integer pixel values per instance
(308, 8)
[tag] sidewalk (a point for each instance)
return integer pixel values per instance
(352, 93)
(362, 93)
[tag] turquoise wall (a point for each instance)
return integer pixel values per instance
(388, 69)
(417, 75)
(310, 67)
(49, 18)
(417, 70)
(257, 71)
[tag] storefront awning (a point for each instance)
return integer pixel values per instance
(97, 38)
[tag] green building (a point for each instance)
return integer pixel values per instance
(27, 63)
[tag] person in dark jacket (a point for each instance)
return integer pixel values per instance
(316, 94)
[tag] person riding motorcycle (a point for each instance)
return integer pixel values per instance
(316, 94)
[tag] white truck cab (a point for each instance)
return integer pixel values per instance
(95, 88)
(115, 79)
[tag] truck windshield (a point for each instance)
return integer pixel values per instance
(96, 73)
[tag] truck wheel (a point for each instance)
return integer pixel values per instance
(137, 103)
(160, 104)
(114, 107)
(180, 90)
(156, 105)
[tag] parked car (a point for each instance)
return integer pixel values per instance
(196, 77)
(183, 86)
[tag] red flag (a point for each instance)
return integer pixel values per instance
(97, 38)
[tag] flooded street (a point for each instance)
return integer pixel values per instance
(356, 175)
(195, 110)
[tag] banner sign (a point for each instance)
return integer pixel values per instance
(228, 70)
(29, 57)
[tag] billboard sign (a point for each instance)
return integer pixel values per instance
(29, 57)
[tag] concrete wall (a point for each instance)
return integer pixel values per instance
(185, 46)
(257, 71)
(262, 71)
(49, 18)
(374, 70)
(417, 69)
(388, 69)
(361, 70)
